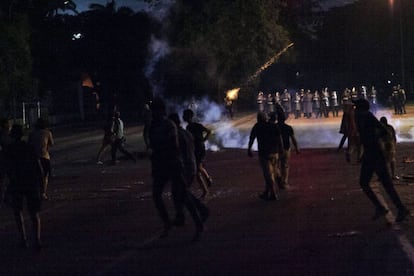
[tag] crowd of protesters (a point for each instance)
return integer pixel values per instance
(177, 154)
(25, 170)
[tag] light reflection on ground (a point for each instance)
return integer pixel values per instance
(310, 133)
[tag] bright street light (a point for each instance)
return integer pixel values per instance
(77, 36)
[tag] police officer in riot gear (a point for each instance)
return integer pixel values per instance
(346, 97)
(317, 104)
(325, 103)
(307, 104)
(373, 99)
(270, 104)
(396, 102)
(334, 104)
(260, 101)
(402, 98)
(297, 105)
(286, 102)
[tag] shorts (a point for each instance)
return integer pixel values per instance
(33, 201)
(45, 166)
(199, 156)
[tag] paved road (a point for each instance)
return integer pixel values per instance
(101, 219)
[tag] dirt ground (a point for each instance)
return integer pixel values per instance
(101, 220)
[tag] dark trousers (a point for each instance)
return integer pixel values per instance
(202, 209)
(181, 196)
(118, 145)
(378, 165)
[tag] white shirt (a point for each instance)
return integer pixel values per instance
(118, 128)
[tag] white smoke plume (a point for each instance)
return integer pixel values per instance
(159, 9)
(227, 136)
(158, 47)
(310, 133)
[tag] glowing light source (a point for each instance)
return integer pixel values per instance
(270, 62)
(233, 93)
(77, 36)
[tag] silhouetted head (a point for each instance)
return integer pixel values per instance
(175, 118)
(281, 117)
(158, 107)
(5, 124)
(16, 132)
(188, 115)
(384, 120)
(41, 123)
(361, 105)
(261, 117)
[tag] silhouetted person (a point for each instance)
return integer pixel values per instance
(186, 143)
(229, 106)
(167, 166)
(288, 136)
(200, 134)
(5, 140)
(26, 177)
(308, 104)
(269, 145)
(118, 144)
(390, 143)
(403, 99)
(349, 132)
(41, 139)
(371, 132)
(147, 117)
(107, 140)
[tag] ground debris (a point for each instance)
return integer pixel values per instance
(408, 176)
(345, 234)
(408, 160)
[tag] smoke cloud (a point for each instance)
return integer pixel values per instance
(158, 47)
(310, 133)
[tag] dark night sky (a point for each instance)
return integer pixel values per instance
(82, 5)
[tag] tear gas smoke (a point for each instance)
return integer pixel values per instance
(158, 47)
(159, 9)
(227, 136)
(312, 133)
(210, 114)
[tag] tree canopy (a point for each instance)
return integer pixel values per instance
(216, 45)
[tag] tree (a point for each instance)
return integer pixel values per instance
(114, 49)
(18, 19)
(110, 9)
(16, 81)
(219, 44)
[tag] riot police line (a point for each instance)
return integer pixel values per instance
(320, 104)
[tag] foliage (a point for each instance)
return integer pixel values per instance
(17, 17)
(111, 48)
(16, 81)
